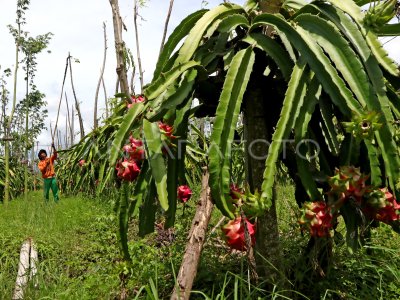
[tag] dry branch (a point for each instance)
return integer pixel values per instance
(78, 111)
(119, 47)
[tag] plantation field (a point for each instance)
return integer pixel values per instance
(78, 256)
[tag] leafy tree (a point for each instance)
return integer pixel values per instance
(33, 100)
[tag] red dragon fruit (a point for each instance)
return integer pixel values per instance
(317, 218)
(348, 182)
(127, 170)
(135, 99)
(166, 129)
(236, 192)
(134, 149)
(235, 234)
(184, 193)
(391, 211)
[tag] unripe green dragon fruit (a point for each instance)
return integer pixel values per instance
(380, 14)
(363, 126)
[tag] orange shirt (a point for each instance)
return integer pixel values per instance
(46, 166)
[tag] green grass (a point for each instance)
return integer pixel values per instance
(79, 257)
(76, 244)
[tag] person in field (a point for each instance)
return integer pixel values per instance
(46, 166)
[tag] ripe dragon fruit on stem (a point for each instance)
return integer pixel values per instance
(127, 170)
(382, 206)
(235, 233)
(184, 193)
(347, 182)
(134, 149)
(135, 99)
(166, 129)
(317, 218)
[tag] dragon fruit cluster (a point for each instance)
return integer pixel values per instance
(129, 168)
(349, 185)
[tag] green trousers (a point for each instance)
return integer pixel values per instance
(50, 183)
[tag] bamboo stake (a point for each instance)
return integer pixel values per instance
(96, 98)
(135, 15)
(72, 125)
(78, 111)
(26, 268)
(171, 4)
(68, 123)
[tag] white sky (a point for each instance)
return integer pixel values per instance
(77, 28)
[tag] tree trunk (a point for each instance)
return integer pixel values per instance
(26, 135)
(26, 268)
(119, 48)
(257, 135)
(9, 122)
(258, 113)
(194, 246)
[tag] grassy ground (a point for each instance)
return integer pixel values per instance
(76, 243)
(79, 257)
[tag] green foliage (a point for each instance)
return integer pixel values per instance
(326, 69)
(79, 256)
(16, 172)
(76, 242)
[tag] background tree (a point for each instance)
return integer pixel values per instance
(33, 100)
(22, 5)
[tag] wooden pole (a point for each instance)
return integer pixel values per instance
(195, 243)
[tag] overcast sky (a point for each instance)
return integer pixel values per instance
(77, 28)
